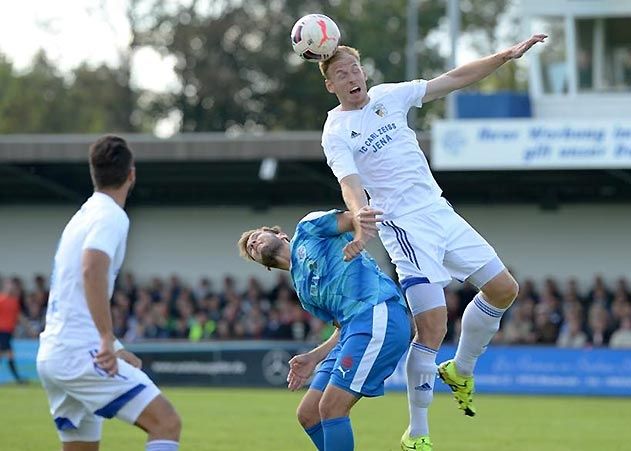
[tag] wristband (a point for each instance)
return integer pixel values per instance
(118, 345)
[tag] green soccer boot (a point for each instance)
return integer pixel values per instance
(422, 443)
(461, 386)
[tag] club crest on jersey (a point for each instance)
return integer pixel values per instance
(380, 110)
(302, 253)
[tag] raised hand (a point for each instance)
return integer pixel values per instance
(300, 369)
(518, 50)
(366, 220)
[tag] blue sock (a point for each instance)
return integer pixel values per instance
(338, 434)
(317, 436)
(162, 445)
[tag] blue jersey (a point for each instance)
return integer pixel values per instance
(328, 287)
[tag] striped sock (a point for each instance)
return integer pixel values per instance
(162, 445)
(480, 322)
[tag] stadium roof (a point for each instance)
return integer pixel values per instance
(220, 170)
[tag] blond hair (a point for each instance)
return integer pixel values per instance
(341, 50)
(242, 244)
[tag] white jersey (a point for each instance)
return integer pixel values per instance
(376, 143)
(100, 224)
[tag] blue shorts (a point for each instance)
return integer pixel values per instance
(370, 347)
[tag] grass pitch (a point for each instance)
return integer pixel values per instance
(236, 419)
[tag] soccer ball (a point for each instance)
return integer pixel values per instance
(315, 37)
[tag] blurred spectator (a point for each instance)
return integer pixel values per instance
(622, 289)
(454, 310)
(599, 293)
(598, 326)
(572, 334)
(621, 338)
(620, 308)
(196, 312)
(519, 328)
(527, 290)
(545, 329)
(128, 286)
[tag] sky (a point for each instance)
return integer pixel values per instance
(72, 31)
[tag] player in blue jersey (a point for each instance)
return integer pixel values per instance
(373, 327)
(369, 146)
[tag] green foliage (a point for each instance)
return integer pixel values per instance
(41, 100)
(235, 66)
(237, 69)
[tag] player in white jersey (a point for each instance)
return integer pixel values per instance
(85, 371)
(369, 146)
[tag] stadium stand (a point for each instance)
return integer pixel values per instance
(544, 314)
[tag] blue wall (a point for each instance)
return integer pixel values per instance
(477, 105)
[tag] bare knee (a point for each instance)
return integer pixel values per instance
(171, 424)
(328, 409)
(308, 414)
(501, 291)
(332, 407)
(431, 327)
(168, 426)
(160, 420)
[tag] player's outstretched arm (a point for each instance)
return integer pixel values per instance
(95, 266)
(302, 366)
(477, 70)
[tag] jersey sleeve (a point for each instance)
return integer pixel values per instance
(106, 234)
(339, 156)
(320, 223)
(409, 93)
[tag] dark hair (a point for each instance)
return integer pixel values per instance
(110, 162)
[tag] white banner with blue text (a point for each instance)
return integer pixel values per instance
(509, 144)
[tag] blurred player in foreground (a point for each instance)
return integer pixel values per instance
(85, 371)
(373, 328)
(369, 145)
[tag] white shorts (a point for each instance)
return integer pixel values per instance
(434, 245)
(81, 394)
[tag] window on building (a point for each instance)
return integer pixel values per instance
(584, 54)
(554, 60)
(618, 53)
(603, 55)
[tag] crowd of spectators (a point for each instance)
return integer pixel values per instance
(549, 314)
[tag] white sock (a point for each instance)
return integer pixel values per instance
(162, 445)
(480, 322)
(421, 371)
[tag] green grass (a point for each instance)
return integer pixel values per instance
(235, 419)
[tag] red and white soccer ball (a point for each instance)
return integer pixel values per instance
(315, 37)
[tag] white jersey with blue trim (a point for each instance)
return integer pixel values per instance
(100, 224)
(327, 286)
(376, 143)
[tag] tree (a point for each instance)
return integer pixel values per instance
(235, 64)
(88, 100)
(482, 23)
